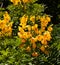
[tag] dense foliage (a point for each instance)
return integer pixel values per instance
(27, 35)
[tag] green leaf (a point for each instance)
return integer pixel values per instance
(4, 52)
(58, 46)
(18, 41)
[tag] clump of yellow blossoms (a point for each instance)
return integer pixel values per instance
(35, 33)
(5, 25)
(16, 2)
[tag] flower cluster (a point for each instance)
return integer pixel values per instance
(5, 26)
(16, 2)
(35, 29)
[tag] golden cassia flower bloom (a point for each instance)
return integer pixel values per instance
(32, 18)
(42, 28)
(35, 32)
(6, 25)
(44, 42)
(40, 37)
(35, 28)
(34, 45)
(15, 2)
(42, 48)
(6, 17)
(28, 49)
(21, 30)
(26, 1)
(50, 28)
(42, 18)
(37, 17)
(23, 21)
(35, 54)
(32, 40)
(48, 18)
(44, 23)
(28, 27)
(47, 35)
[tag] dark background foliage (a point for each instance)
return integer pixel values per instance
(52, 9)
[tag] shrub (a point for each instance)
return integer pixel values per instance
(28, 37)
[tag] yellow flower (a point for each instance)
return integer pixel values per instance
(28, 34)
(15, 2)
(23, 40)
(10, 24)
(35, 54)
(28, 49)
(6, 17)
(32, 40)
(42, 28)
(40, 32)
(44, 23)
(35, 28)
(40, 37)
(42, 18)
(32, 18)
(19, 34)
(48, 18)
(6, 25)
(42, 48)
(23, 20)
(47, 35)
(26, 1)
(25, 36)
(36, 38)
(28, 27)
(50, 28)
(2, 24)
(37, 17)
(44, 42)
(34, 45)
(9, 29)
(8, 34)
(33, 33)
(21, 30)
(23, 26)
